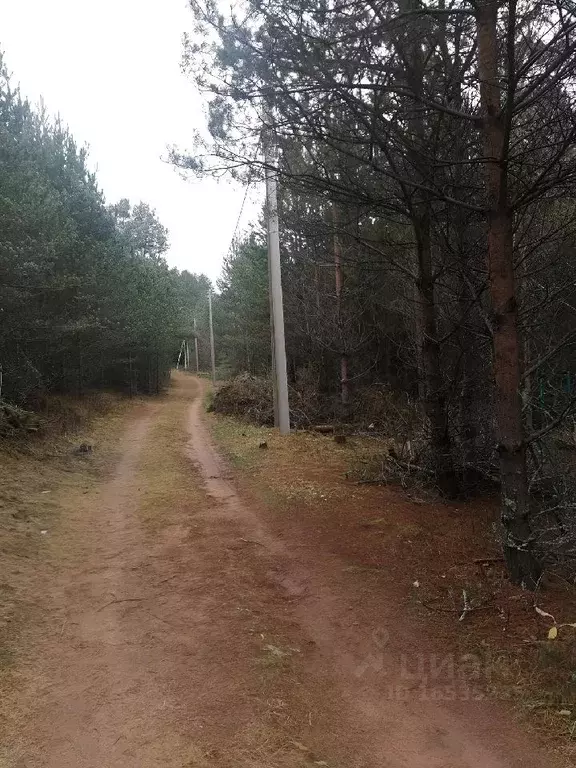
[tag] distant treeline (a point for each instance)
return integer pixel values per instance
(86, 298)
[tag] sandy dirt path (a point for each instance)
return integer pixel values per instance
(211, 641)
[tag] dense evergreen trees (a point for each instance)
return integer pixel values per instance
(425, 153)
(86, 298)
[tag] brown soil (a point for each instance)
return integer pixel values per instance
(223, 635)
(420, 557)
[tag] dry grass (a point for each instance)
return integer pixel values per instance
(39, 476)
(279, 466)
(41, 479)
(168, 480)
(261, 745)
(169, 493)
(434, 543)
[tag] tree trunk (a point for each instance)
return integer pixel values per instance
(474, 422)
(344, 384)
(434, 392)
(410, 50)
(518, 551)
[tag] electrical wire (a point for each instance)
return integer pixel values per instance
(248, 183)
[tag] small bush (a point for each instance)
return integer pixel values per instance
(246, 396)
(57, 415)
(63, 414)
(378, 408)
(16, 421)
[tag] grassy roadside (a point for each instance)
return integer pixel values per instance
(437, 547)
(302, 467)
(39, 477)
(168, 481)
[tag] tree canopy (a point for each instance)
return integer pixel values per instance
(425, 152)
(86, 297)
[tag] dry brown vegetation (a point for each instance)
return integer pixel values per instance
(375, 410)
(168, 482)
(259, 652)
(425, 555)
(213, 599)
(73, 448)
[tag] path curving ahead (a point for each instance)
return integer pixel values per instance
(208, 640)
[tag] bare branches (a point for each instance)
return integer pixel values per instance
(445, 132)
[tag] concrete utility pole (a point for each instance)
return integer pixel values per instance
(196, 347)
(273, 371)
(212, 355)
(277, 310)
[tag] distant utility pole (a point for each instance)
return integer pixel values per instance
(212, 355)
(196, 347)
(180, 356)
(279, 367)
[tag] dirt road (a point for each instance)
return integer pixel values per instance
(182, 631)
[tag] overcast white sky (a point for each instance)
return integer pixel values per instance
(111, 69)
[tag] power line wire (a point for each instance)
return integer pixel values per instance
(249, 182)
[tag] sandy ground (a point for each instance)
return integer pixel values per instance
(215, 642)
